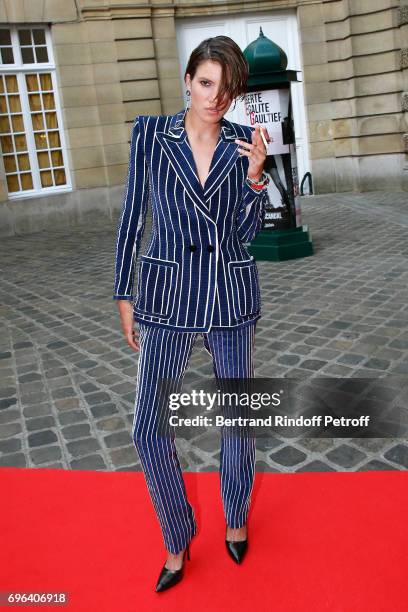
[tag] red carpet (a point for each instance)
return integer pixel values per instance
(317, 541)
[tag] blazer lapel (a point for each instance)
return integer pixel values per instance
(175, 144)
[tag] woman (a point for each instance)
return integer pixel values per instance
(204, 178)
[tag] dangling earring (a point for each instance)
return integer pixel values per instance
(235, 103)
(188, 94)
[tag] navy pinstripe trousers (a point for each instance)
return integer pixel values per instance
(165, 353)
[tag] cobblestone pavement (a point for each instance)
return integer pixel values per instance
(67, 376)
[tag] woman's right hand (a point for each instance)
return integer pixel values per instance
(127, 323)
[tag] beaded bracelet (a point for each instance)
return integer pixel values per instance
(259, 185)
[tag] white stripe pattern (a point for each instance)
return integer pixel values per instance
(165, 354)
(187, 279)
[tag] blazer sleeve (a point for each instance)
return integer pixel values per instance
(133, 217)
(251, 212)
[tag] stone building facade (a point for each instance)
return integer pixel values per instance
(114, 59)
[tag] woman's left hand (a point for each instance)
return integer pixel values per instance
(255, 151)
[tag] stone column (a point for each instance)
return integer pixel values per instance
(319, 111)
(403, 24)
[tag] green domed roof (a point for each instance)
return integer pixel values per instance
(263, 55)
(267, 64)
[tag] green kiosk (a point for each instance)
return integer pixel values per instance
(269, 103)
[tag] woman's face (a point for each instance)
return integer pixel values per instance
(204, 88)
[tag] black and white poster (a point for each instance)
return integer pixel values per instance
(272, 110)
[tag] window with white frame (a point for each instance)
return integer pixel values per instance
(31, 134)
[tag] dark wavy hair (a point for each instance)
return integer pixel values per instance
(227, 53)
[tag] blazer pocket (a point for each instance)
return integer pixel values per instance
(245, 287)
(157, 282)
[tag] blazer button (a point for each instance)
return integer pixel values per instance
(210, 248)
(192, 247)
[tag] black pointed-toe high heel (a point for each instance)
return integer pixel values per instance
(236, 550)
(168, 578)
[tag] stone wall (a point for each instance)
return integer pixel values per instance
(352, 57)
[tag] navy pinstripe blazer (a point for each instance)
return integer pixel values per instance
(196, 273)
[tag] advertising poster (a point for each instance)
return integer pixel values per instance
(272, 110)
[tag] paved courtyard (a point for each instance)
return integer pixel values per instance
(67, 376)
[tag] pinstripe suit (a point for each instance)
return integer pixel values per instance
(196, 273)
(164, 354)
(196, 277)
